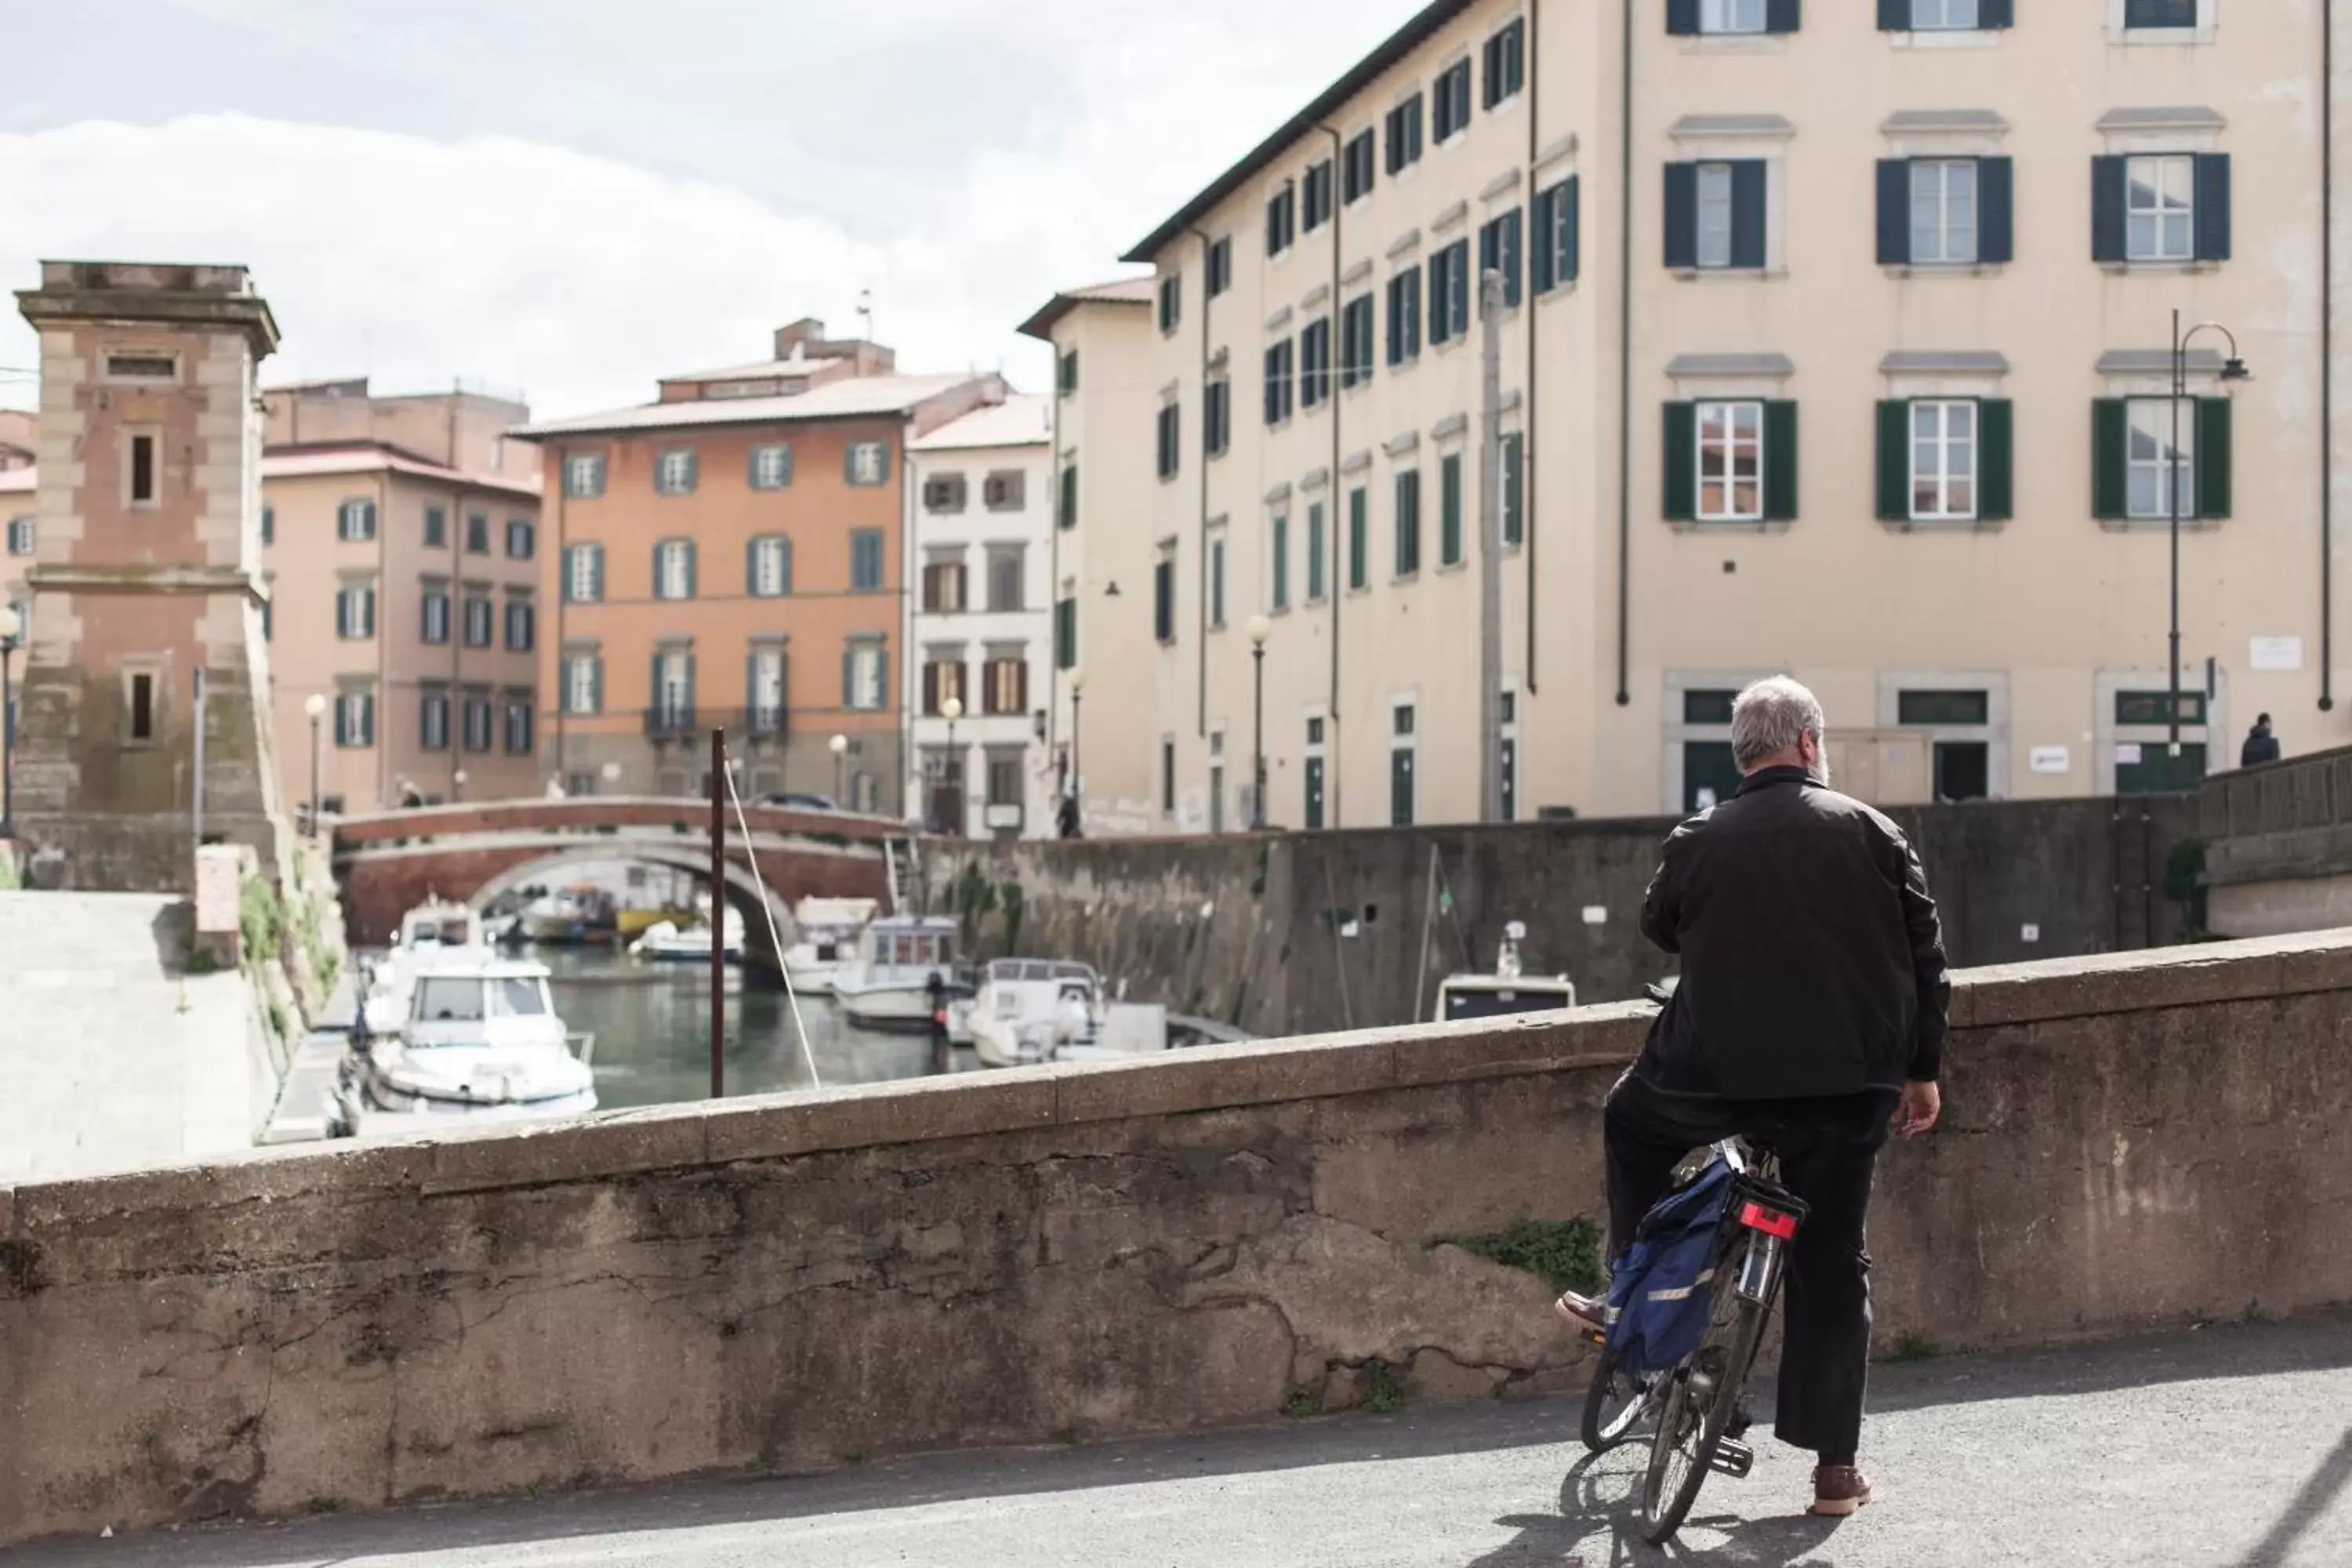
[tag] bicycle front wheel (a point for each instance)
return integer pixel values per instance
(1702, 1399)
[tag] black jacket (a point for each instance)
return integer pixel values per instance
(2262, 746)
(1812, 962)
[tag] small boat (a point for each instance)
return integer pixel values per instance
(664, 942)
(480, 1043)
(1505, 992)
(827, 930)
(1029, 1010)
(570, 916)
(888, 985)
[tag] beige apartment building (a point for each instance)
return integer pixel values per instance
(1837, 340)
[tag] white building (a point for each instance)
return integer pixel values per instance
(980, 628)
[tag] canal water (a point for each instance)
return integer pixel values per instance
(652, 1024)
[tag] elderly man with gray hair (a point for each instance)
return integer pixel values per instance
(1810, 1012)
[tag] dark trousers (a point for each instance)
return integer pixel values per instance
(1828, 1149)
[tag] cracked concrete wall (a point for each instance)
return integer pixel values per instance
(802, 1281)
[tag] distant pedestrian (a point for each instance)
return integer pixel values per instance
(1067, 817)
(942, 1048)
(2262, 746)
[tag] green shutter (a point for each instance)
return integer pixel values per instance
(1358, 538)
(1995, 461)
(752, 567)
(2213, 456)
(1893, 460)
(1779, 460)
(2110, 471)
(1679, 482)
(1449, 529)
(653, 683)
(596, 684)
(689, 568)
(1513, 489)
(849, 675)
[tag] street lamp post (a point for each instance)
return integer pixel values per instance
(1259, 629)
(953, 710)
(315, 706)
(2232, 369)
(840, 747)
(12, 627)
(1077, 773)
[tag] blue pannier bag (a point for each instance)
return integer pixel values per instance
(1660, 1294)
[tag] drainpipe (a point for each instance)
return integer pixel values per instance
(2326, 357)
(457, 618)
(1625, 358)
(1054, 567)
(383, 736)
(562, 605)
(1527, 397)
(1331, 750)
(1200, 714)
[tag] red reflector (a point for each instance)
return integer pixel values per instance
(1771, 1222)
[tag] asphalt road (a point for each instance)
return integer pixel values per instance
(2229, 1446)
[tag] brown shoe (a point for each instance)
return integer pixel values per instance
(1839, 1490)
(1589, 1312)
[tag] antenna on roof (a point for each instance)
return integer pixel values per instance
(865, 311)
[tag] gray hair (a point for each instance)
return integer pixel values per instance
(1769, 715)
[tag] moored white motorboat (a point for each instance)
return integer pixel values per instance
(665, 942)
(1030, 1010)
(480, 1043)
(888, 985)
(1505, 992)
(827, 931)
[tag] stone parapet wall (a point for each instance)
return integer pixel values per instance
(1217, 1236)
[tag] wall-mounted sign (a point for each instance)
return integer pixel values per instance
(2127, 753)
(2274, 653)
(2050, 760)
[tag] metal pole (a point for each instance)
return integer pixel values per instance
(1077, 775)
(717, 914)
(1257, 742)
(314, 778)
(7, 744)
(2179, 386)
(196, 800)
(1490, 551)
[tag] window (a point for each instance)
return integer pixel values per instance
(674, 472)
(1944, 15)
(1355, 341)
(355, 612)
(1069, 498)
(1217, 266)
(433, 613)
(868, 463)
(1167, 775)
(1943, 459)
(432, 721)
(2163, 445)
(1449, 293)
(1007, 489)
(2146, 708)
(772, 466)
(1007, 567)
(477, 533)
(355, 520)
(671, 702)
(1316, 553)
(142, 367)
(1405, 317)
(1315, 362)
(1279, 360)
(943, 588)
(1217, 582)
(1216, 416)
(674, 569)
(2132, 451)
(1505, 67)
(142, 707)
(1732, 16)
(479, 619)
(268, 524)
(522, 625)
(1449, 510)
(1356, 168)
(584, 684)
(20, 535)
(1315, 196)
(1004, 778)
(1360, 538)
(1944, 211)
(1515, 489)
(1171, 302)
(864, 676)
(523, 538)
(354, 718)
(943, 493)
(764, 687)
(1404, 135)
(1499, 251)
(768, 572)
(1005, 684)
(943, 679)
(143, 473)
(1066, 633)
(2159, 13)
(518, 726)
(865, 560)
(1449, 108)
(1400, 748)
(478, 724)
(584, 573)
(2161, 208)
(1941, 709)
(1408, 522)
(1163, 599)
(1281, 220)
(1730, 462)
(1066, 372)
(437, 529)
(1170, 432)
(584, 476)
(1216, 780)
(1715, 213)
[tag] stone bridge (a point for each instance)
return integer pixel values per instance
(2278, 845)
(390, 862)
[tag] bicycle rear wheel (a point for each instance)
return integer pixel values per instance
(1613, 1405)
(1701, 1400)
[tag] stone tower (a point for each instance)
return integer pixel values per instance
(146, 577)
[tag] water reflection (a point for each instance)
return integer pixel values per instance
(652, 1024)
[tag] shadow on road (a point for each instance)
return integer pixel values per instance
(2314, 1500)
(1600, 1526)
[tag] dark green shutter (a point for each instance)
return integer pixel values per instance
(2107, 180)
(752, 567)
(1682, 214)
(689, 683)
(1358, 537)
(1679, 486)
(1996, 209)
(1893, 15)
(1894, 460)
(1449, 502)
(1995, 461)
(654, 683)
(597, 575)
(1682, 16)
(848, 675)
(1779, 460)
(2213, 456)
(1894, 212)
(1995, 14)
(1748, 199)
(1780, 15)
(2110, 471)
(1568, 195)
(2212, 207)
(596, 683)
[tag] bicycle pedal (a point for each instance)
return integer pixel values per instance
(1594, 1336)
(1732, 1458)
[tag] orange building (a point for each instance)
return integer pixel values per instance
(733, 555)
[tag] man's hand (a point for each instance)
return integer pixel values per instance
(1916, 1112)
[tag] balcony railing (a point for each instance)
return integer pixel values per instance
(760, 721)
(669, 721)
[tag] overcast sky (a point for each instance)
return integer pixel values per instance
(570, 197)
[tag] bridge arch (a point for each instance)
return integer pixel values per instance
(742, 890)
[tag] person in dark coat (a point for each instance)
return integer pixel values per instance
(1809, 1013)
(2261, 745)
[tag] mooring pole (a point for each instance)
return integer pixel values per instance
(718, 915)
